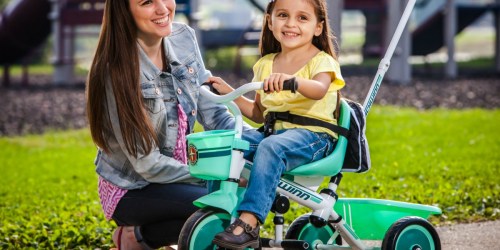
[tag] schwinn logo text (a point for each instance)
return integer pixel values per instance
(293, 190)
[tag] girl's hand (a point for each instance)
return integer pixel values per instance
(243, 182)
(274, 83)
(220, 85)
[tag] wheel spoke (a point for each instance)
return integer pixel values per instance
(415, 237)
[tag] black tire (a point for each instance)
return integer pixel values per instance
(194, 237)
(302, 229)
(200, 229)
(411, 233)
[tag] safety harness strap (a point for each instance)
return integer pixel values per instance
(271, 118)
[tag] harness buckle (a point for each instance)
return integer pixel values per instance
(270, 121)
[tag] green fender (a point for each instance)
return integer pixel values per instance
(226, 198)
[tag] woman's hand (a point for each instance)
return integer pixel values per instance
(274, 83)
(220, 85)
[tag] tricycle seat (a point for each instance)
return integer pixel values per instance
(332, 164)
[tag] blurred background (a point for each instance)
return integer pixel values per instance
(448, 46)
(433, 128)
(63, 33)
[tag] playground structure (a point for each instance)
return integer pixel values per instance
(25, 26)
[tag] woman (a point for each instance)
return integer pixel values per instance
(142, 99)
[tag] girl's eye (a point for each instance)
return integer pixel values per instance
(282, 14)
(303, 18)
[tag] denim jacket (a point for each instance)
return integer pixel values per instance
(162, 92)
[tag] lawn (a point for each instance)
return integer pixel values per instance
(447, 158)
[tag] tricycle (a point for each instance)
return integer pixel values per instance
(333, 223)
(217, 156)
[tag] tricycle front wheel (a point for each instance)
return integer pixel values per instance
(200, 229)
(411, 233)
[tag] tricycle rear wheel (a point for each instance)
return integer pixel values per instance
(411, 233)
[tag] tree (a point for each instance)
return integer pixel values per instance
(3, 3)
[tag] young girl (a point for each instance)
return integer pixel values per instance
(296, 43)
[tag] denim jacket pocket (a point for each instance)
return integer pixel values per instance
(153, 98)
(194, 84)
(188, 75)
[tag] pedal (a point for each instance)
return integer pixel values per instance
(288, 244)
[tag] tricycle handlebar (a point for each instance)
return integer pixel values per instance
(290, 84)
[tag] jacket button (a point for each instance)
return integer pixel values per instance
(190, 70)
(157, 90)
(193, 112)
(179, 91)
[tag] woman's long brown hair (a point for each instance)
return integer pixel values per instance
(268, 44)
(116, 62)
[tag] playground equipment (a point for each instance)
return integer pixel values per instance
(435, 25)
(217, 155)
(25, 26)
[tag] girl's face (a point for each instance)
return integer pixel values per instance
(294, 23)
(153, 18)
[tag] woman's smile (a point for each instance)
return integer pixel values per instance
(162, 21)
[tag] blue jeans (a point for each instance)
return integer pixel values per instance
(273, 155)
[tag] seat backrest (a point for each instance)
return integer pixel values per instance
(332, 164)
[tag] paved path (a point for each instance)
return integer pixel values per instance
(474, 236)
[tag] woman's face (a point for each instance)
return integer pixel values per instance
(153, 18)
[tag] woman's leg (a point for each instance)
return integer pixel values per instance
(158, 211)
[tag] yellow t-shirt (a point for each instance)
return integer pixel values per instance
(296, 103)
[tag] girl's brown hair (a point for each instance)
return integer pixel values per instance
(268, 44)
(116, 62)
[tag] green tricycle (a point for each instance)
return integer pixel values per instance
(333, 223)
(217, 155)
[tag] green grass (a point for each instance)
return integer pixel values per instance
(225, 58)
(447, 158)
(441, 157)
(48, 195)
(16, 70)
(39, 69)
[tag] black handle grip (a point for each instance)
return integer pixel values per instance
(212, 89)
(291, 84)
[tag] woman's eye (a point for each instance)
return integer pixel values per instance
(146, 2)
